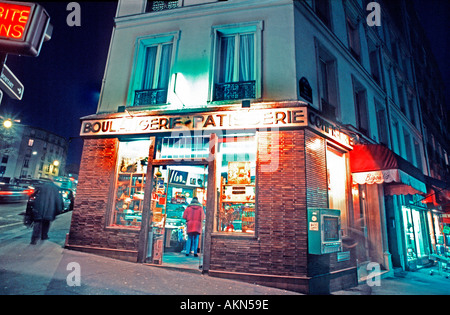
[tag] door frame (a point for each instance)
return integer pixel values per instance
(211, 197)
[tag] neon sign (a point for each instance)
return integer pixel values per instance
(23, 28)
(13, 20)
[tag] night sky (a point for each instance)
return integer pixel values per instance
(63, 83)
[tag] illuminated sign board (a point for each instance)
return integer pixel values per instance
(23, 27)
(239, 119)
(14, 20)
(272, 118)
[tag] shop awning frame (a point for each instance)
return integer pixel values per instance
(377, 164)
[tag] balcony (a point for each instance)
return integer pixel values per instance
(235, 91)
(155, 6)
(150, 97)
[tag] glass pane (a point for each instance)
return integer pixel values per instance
(236, 166)
(411, 251)
(246, 58)
(182, 148)
(149, 68)
(178, 204)
(164, 70)
(130, 182)
(226, 66)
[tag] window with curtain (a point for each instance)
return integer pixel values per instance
(236, 67)
(155, 75)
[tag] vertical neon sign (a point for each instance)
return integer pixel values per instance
(13, 20)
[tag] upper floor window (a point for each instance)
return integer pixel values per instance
(327, 83)
(151, 72)
(322, 9)
(361, 107)
(353, 39)
(237, 62)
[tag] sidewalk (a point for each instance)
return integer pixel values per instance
(43, 270)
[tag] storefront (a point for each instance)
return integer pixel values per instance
(255, 171)
(394, 223)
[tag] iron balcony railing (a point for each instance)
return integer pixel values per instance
(150, 97)
(154, 6)
(235, 90)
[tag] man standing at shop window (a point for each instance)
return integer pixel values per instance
(48, 203)
(194, 216)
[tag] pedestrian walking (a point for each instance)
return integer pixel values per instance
(48, 203)
(194, 216)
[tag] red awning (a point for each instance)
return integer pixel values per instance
(376, 164)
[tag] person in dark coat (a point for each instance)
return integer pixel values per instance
(194, 216)
(47, 205)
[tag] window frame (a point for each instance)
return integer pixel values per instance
(139, 61)
(217, 32)
(325, 58)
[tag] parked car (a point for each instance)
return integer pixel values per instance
(67, 195)
(13, 193)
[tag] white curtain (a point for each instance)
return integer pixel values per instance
(164, 68)
(149, 67)
(246, 58)
(227, 59)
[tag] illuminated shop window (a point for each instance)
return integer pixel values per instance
(185, 148)
(130, 182)
(236, 168)
(337, 183)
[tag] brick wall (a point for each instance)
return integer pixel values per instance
(280, 247)
(281, 244)
(96, 178)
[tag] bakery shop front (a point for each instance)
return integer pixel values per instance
(257, 172)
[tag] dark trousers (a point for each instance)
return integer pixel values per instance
(40, 230)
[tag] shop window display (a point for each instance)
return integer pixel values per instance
(337, 181)
(174, 189)
(130, 183)
(237, 168)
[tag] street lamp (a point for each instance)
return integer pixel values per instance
(55, 162)
(7, 123)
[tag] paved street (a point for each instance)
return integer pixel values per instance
(11, 215)
(46, 269)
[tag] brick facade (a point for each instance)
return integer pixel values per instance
(291, 176)
(278, 255)
(88, 230)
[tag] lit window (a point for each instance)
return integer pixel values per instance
(130, 182)
(236, 165)
(337, 183)
(30, 142)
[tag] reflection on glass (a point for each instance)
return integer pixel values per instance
(236, 163)
(174, 187)
(130, 182)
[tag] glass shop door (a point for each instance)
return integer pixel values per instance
(175, 188)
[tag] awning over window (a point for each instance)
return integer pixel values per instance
(438, 193)
(376, 164)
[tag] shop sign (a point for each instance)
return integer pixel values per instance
(239, 119)
(178, 177)
(328, 129)
(446, 218)
(224, 120)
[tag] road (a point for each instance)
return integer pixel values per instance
(11, 215)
